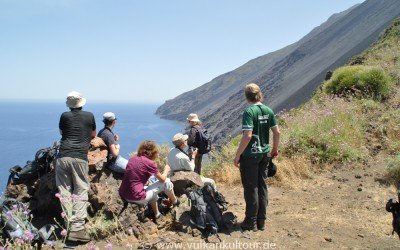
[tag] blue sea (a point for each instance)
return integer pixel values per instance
(26, 127)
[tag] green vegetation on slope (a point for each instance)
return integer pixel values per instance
(354, 117)
(359, 81)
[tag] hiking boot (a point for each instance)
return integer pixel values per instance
(78, 236)
(168, 203)
(261, 225)
(248, 225)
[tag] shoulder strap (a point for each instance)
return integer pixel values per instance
(259, 106)
(182, 151)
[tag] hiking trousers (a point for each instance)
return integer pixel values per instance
(197, 163)
(73, 185)
(254, 186)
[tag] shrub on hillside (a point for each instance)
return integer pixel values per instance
(390, 130)
(220, 165)
(359, 81)
(393, 167)
(324, 130)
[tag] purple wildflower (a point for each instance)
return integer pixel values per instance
(63, 214)
(19, 241)
(109, 246)
(74, 197)
(28, 235)
(63, 200)
(92, 247)
(50, 243)
(64, 232)
(130, 231)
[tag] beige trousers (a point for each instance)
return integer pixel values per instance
(73, 185)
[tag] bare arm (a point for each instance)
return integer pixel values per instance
(162, 177)
(276, 133)
(246, 137)
(114, 149)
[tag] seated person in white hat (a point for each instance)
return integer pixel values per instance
(115, 161)
(179, 160)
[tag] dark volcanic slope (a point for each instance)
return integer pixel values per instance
(287, 76)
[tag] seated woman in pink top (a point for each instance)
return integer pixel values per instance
(138, 170)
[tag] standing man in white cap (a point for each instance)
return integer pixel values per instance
(77, 128)
(198, 138)
(115, 161)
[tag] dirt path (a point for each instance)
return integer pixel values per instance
(338, 209)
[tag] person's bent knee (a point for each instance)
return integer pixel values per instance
(168, 185)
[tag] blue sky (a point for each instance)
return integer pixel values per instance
(141, 51)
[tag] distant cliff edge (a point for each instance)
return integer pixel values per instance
(289, 76)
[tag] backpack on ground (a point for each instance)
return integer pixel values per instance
(203, 140)
(206, 210)
(15, 223)
(34, 169)
(393, 207)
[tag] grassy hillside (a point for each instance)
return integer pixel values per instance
(352, 120)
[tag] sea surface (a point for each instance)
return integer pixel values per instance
(26, 127)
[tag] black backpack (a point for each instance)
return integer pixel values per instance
(34, 169)
(206, 210)
(203, 140)
(393, 207)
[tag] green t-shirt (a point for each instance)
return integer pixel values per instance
(258, 118)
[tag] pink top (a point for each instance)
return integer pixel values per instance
(138, 171)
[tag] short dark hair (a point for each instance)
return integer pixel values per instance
(80, 108)
(107, 122)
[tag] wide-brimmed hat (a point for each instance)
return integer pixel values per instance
(75, 100)
(179, 139)
(193, 118)
(109, 116)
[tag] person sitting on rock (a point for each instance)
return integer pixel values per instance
(179, 160)
(138, 171)
(115, 161)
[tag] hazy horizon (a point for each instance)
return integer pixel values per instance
(141, 52)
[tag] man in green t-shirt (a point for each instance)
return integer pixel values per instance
(252, 156)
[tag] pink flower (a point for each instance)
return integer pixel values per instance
(63, 214)
(19, 241)
(28, 235)
(109, 246)
(130, 231)
(74, 197)
(50, 243)
(92, 247)
(58, 195)
(64, 232)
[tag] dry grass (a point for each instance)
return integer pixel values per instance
(291, 171)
